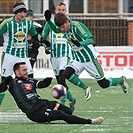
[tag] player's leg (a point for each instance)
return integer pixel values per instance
(72, 119)
(2, 95)
(59, 65)
(72, 77)
(63, 61)
(71, 73)
(61, 80)
(62, 100)
(33, 54)
(61, 112)
(95, 70)
(56, 111)
(105, 83)
(6, 69)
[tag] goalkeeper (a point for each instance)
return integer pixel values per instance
(84, 54)
(23, 90)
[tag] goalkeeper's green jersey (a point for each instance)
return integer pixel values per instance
(59, 44)
(15, 36)
(78, 31)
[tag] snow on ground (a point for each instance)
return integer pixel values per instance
(42, 73)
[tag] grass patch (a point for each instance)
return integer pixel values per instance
(115, 106)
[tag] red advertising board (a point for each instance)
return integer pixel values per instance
(116, 60)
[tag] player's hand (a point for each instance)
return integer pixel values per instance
(45, 42)
(47, 15)
(8, 80)
(75, 42)
(47, 50)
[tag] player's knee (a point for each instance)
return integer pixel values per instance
(68, 72)
(104, 83)
(61, 77)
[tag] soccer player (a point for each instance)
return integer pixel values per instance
(33, 46)
(60, 54)
(15, 46)
(84, 54)
(23, 90)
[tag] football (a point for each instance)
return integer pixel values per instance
(58, 91)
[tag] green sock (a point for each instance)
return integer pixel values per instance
(63, 100)
(69, 96)
(76, 81)
(2, 95)
(114, 81)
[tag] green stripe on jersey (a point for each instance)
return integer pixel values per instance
(59, 44)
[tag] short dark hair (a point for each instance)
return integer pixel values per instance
(17, 66)
(60, 19)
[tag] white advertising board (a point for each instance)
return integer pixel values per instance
(116, 61)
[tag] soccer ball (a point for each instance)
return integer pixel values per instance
(58, 91)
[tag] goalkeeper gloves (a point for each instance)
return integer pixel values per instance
(75, 42)
(47, 15)
(45, 42)
(8, 80)
(47, 50)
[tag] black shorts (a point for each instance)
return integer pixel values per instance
(48, 113)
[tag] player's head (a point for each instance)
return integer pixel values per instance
(60, 7)
(30, 14)
(20, 11)
(62, 21)
(20, 69)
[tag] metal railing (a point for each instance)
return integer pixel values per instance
(107, 29)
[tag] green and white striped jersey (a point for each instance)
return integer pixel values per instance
(15, 36)
(59, 44)
(78, 31)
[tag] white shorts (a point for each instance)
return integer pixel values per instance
(8, 63)
(59, 63)
(93, 68)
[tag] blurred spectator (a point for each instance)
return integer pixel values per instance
(33, 46)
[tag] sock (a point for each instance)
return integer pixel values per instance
(114, 81)
(2, 95)
(76, 81)
(63, 100)
(69, 96)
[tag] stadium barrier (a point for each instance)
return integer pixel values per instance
(115, 60)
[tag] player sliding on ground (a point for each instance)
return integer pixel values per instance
(84, 54)
(23, 90)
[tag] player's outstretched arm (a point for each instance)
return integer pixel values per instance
(45, 83)
(52, 25)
